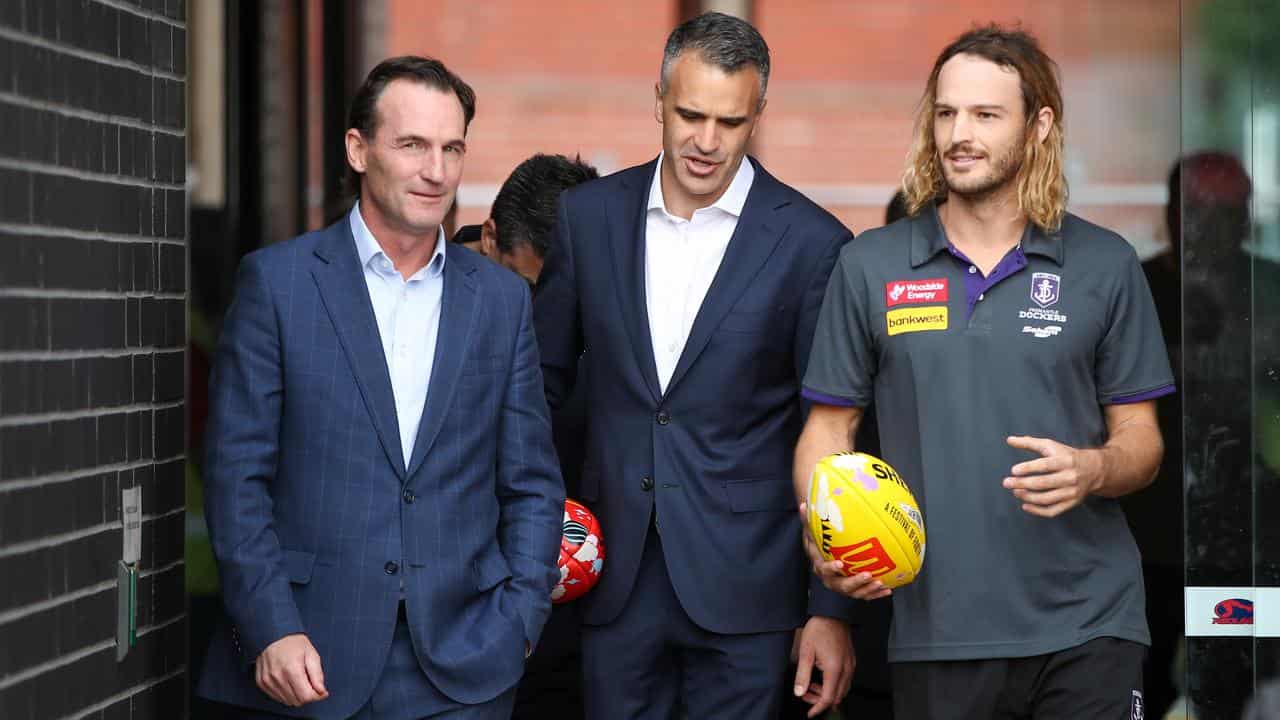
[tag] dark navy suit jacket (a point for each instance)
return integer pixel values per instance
(713, 455)
(309, 501)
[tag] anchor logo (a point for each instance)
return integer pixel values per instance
(1045, 288)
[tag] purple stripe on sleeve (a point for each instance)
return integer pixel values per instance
(1143, 396)
(825, 399)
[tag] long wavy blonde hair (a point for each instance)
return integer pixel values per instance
(1042, 187)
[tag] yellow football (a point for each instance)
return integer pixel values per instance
(862, 513)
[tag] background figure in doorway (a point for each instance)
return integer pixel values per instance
(1151, 513)
(517, 235)
(1210, 195)
(523, 217)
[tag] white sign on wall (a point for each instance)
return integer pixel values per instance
(1232, 612)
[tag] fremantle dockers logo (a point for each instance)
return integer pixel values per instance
(1044, 288)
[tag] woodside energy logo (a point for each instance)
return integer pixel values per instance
(903, 292)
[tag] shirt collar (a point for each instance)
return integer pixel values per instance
(731, 201)
(367, 248)
(928, 238)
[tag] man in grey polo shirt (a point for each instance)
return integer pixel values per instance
(1013, 354)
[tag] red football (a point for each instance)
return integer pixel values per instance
(581, 553)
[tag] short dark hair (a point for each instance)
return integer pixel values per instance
(425, 70)
(724, 41)
(524, 211)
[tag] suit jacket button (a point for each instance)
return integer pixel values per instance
(646, 483)
(391, 568)
(664, 418)
(409, 497)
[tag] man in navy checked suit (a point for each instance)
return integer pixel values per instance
(381, 487)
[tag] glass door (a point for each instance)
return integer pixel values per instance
(1227, 202)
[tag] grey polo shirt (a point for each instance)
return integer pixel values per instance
(955, 363)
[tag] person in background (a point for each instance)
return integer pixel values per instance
(517, 234)
(1221, 285)
(519, 229)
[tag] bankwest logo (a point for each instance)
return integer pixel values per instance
(904, 292)
(905, 320)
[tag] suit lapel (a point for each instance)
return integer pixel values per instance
(458, 311)
(758, 232)
(345, 296)
(627, 215)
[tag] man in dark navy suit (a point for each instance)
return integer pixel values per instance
(382, 492)
(693, 284)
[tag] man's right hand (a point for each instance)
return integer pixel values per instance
(859, 587)
(289, 671)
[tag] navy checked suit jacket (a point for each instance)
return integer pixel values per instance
(712, 456)
(308, 499)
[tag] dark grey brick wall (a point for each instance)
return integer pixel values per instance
(93, 286)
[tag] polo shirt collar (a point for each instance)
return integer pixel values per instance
(928, 238)
(1038, 242)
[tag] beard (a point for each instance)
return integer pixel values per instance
(1003, 172)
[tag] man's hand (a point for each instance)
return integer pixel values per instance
(824, 643)
(1060, 479)
(289, 671)
(859, 587)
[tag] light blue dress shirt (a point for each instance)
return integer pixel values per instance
(408, 314)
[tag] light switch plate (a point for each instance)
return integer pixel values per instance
(131, 520)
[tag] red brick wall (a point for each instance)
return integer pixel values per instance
(569, 76)
(848, 77)
(577, 76)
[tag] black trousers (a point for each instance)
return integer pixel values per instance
(1101, 679)
(552, 682)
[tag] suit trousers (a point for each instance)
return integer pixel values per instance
(654, 663)
(403, 692)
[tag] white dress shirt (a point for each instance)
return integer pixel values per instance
(681, 259)
(408, 314)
